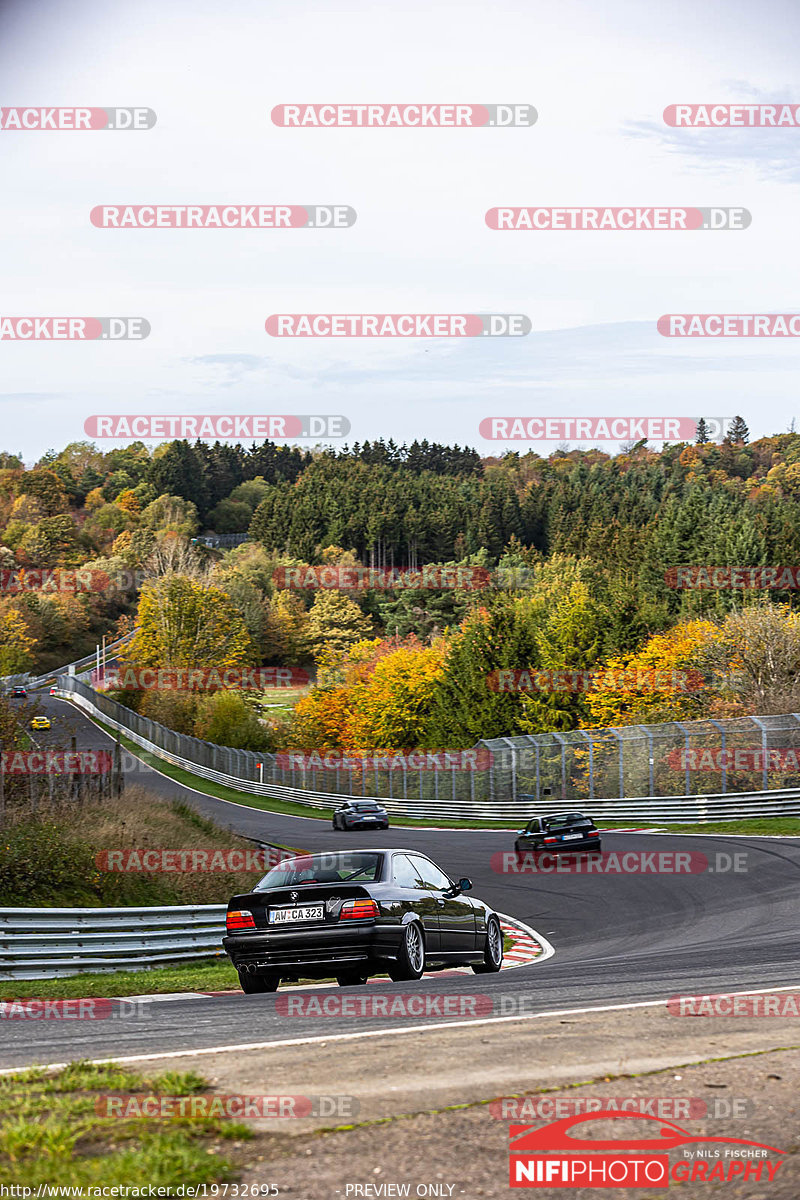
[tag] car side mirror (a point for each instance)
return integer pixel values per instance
(465, 885)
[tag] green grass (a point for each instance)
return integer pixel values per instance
(752, 825)
(52, 1133)
(185, 977)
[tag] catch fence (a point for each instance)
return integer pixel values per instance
(688, 771)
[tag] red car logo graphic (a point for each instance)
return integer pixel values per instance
(527, 1139)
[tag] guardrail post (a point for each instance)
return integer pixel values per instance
(723, 732)
(563, 746)
(764, 766)
(686, 747)
(538, 774)
(649, 737)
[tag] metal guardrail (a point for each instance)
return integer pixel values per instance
(520, 808)
(49, 943)
(80, 664)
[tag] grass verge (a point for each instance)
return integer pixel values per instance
(771, 826)
(184, 977)
(53, 1131)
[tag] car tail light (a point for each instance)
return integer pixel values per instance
(358, 910)
(549, 841)
(239, 920)
(594, 833)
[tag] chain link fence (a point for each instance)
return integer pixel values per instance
(679, 758)
(724, 766)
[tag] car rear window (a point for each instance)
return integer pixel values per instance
(566, 819)
(366, 807)
(351, 866)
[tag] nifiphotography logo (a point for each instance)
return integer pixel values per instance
(552, 1156)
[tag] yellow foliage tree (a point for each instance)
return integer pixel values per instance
(678, 655)
(185, 623)
(15, 641)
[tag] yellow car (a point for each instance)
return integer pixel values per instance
(40, 723)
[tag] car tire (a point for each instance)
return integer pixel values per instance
(410, 962)
(252, 983)
(352, 978)
(333, 824)
(493, 952)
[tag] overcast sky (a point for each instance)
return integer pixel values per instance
(599, 79)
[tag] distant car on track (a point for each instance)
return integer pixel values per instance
(559, 831)
(53, 690)
(40, 723)
(360, 814)
(17, 693)
(357, 913)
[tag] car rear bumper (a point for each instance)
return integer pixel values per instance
(314, 952)
(593, 843)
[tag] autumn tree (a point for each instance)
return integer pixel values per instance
(16, 643)
(185, 623)
(672, 685)
(755, 659)
(335, 622)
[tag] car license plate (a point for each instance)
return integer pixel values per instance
(568, 837)
(288, 916)
(369, 818)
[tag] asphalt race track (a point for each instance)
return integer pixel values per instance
(618, 937)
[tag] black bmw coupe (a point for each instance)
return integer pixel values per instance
(358, 913)
(559, 831)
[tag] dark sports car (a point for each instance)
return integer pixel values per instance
(360, 814)
(560, 831)
(355, 914)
